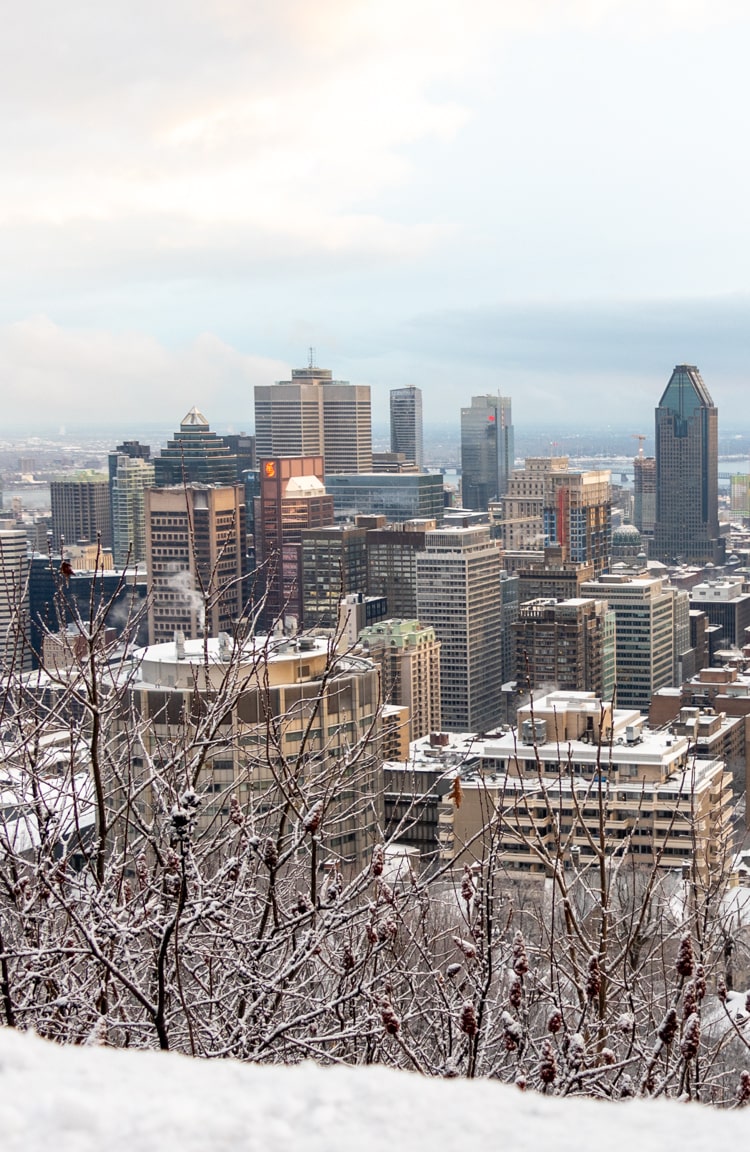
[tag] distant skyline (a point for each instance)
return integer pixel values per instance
(546, 200)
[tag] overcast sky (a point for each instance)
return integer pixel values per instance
(545, 197)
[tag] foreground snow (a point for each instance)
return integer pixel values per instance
(86, 1099)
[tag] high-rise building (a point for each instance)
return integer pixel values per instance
(334, 565)
(314, 415)
(458, 593)
(81, 512)
(578, 516)
(408, 654)
(406, 424)
(128, 482)
(292, 497)
(687, 472)
(644, 495)
(195, 549)
(518, 517)
(195, 455)
(392, 564)
(645, 634)
(487, 450)
(567, 644)
(15, 651)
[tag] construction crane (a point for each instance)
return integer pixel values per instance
(640, 437)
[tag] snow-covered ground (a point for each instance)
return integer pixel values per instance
(86, 1099)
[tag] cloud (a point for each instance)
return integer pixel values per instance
(76, 375)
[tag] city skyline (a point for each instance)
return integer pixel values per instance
(475, 199)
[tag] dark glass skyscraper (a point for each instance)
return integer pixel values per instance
(406, 424)
(687, 472)
(487, 450)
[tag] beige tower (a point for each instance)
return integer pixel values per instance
(195, 547)
(409, 657)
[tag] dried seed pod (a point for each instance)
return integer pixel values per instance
(668, 1029)
(691, 1036)
(468, 1021)
(311, 820)
(700, 981)
(743, 1088)
(684, 962)
(270, 854)
(554, 1021)
(547, 1064)
(520, 959)
(390, 1020)
(378, 860)
(593, 979)
(515, 993)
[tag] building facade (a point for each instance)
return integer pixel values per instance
(566, 644)
(687, 472)
(458, 593)
(195, 549)
(195, 455)
(406, 424)
(15, 649)
(292, 498)
(81, 512)
(408, 655)
(487, 450)
(314, 415)
(334, 565)
(129, 480)
(398, 497)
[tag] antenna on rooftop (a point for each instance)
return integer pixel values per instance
(311, 350)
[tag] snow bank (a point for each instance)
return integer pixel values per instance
(86, 1099)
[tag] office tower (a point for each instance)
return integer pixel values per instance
(739, 494)
(334, 565)
(578, 516)
(392, 564)
(687, 472)
(81, 512)
(487, 451)
(129, 478)
(408, 654)
(398, 497)
(518, 518)
(314, 415)
(15, 651)
(644, 495)
(406, 424)
(645, 634)
(195, 455)
(292, 497)
(195, 553)
(567, 644)
(458, 578)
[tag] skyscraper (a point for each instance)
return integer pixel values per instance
(128, 482)
(195, 455)
(314, 415)
(81, 512)
(487, 450)
(578, 516)
(687, 467)
(458, 593)
(406, 424)
(292, 497)
(15, 653)
(195, 547)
